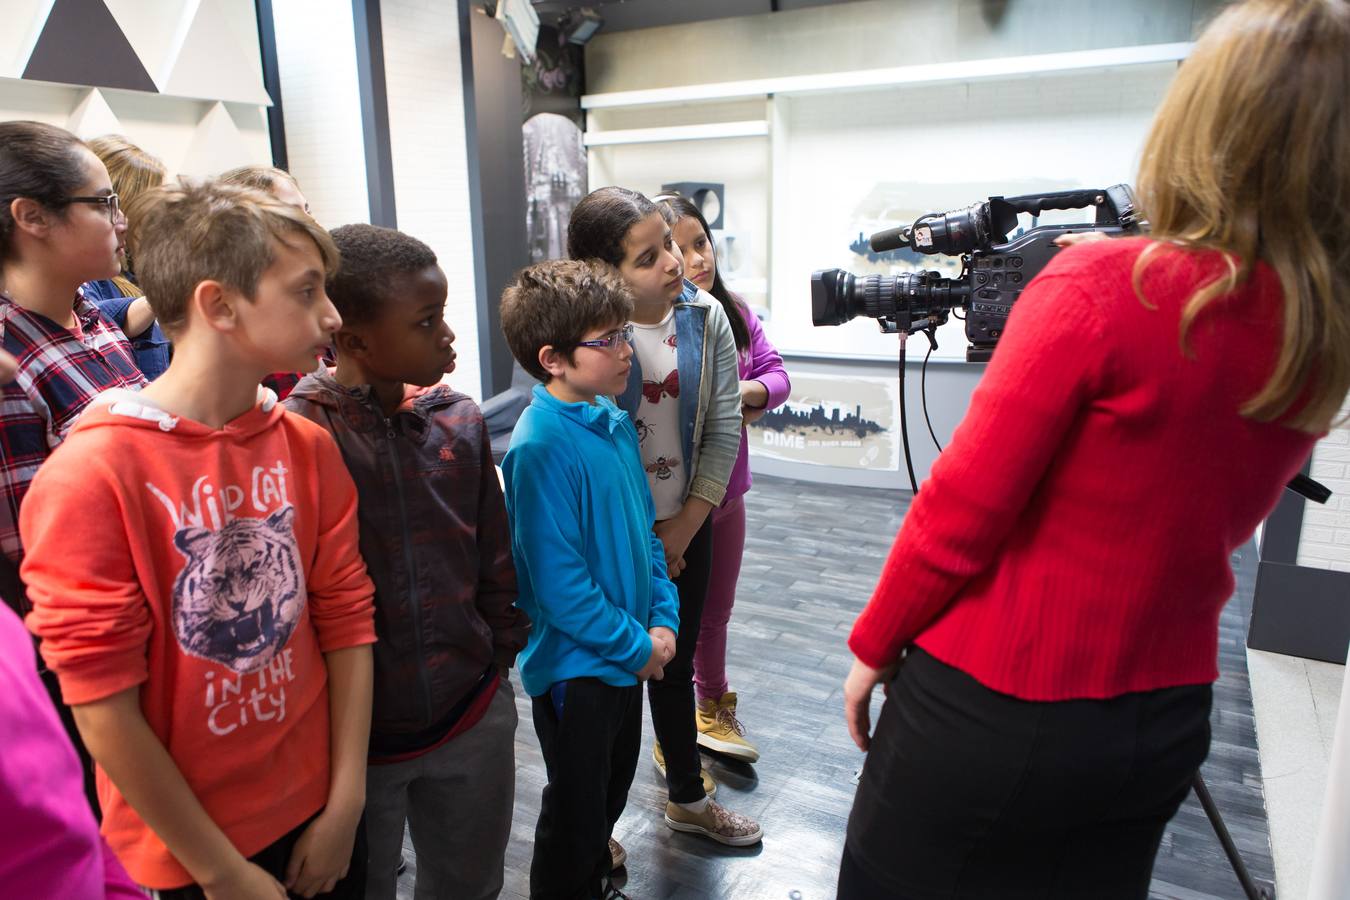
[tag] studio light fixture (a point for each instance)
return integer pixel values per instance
(707, 196)
(579, 25)
(522, 24)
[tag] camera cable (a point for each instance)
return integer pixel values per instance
(923, 397)
(904, 420)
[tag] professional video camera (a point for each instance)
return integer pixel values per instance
(994, 269)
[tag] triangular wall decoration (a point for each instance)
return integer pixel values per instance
(22, 26)
(81, 43)
(212, 64)
(93, 117)
(156, 29)
(216, 145)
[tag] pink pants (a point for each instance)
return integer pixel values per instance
(728, 540)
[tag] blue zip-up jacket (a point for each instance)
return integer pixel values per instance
(710, 393)
(590, 570)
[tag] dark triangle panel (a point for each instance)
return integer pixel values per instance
(82, 44)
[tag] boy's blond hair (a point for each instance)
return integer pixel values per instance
(133, 172)
(208, 231)
(263, 178)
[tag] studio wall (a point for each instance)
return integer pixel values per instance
(829, 167)
(181, 79)
(321, 96)
(1325, 541)
(428, 143)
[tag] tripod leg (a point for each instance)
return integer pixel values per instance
(1249, 886)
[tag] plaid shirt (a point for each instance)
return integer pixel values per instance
(282, 383)
(59, 374)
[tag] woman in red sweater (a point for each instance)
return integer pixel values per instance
(1056, 587)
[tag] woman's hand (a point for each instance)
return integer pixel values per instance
(1080, 237)
(862, 678)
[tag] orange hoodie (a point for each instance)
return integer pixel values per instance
(212, 568)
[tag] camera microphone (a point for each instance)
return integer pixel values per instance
(890, 239)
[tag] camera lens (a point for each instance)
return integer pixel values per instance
(830, 289)
(838, 296)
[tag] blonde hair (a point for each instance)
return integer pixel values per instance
(133, 172)
(1250, 155)
(193, 232)
(262, 178)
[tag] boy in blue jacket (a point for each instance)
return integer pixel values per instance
(591, 572)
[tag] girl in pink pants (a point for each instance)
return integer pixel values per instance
(764, 385)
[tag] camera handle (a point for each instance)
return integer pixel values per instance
(1115, 205)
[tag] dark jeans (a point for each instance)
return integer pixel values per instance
(590, 753)
(274, 857)
(672, 698)
(67, 717)
(969, 793)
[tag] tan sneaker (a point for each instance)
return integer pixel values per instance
(716, 822)
(617, 855)
(720, 731)
(709, 786)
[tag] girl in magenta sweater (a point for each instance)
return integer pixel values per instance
(1056, 587)
(52, 845)
(764, 386)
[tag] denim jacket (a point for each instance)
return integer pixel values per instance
(151, 348)
(710, 393)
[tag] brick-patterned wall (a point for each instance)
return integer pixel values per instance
(429, 148)
(321, 100)
(1325, 542)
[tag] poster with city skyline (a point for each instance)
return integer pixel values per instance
(832, 420)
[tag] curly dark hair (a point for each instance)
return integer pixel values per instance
(601, 221)
(371, 257)
(553, 304)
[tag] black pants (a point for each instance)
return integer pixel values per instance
(968, 793)
(67, 717)
(274, 858)
(672, 698)
(590, 753)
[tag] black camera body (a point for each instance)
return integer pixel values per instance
(994, 268)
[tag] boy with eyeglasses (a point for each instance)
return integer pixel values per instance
(592, 574)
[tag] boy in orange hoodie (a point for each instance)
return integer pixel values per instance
(194, 572)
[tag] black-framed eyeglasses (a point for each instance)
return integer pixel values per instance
(111, 201)
(610, 341)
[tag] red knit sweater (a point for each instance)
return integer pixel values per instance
(1074, 539)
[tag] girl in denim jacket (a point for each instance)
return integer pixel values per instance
(683, 395)
(764, 385)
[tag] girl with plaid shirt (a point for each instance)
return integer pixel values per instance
(60, 225)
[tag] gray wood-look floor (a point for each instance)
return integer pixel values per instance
(812, 555)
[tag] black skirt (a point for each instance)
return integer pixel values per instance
(969, 793)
